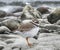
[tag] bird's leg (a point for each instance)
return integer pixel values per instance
(20, 48)
(29, 44)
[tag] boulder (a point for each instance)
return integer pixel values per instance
(43, 10)
(11, 9)
(2, 14)
(52, 27)
(4, 29)
(10, 23)
(29, 12)
(58, 22)
(54, 16)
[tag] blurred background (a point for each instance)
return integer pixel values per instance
(32, 2)
(9, 1)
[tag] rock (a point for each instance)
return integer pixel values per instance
(44, 16)
(10, 17)
(44, 31)
(4, 29)
(17, 14)
(16, 49)
(7, 48)
(18, 10)
(29, 12)
(22, 43)
(19, 44)
(49, 47)
(12, 24)
(43, 21)
(42, 35)
(49, 42)
(2, 45)
(7, 38)
(54, 16)
(43, 10)
(11, 9)
(31, 20)
(58, 22)
(2, 14)
(1, 19)
(52, 27)
(26, 21)
(4, 11)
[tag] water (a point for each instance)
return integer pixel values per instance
(7, 1)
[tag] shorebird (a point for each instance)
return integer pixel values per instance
(28, 30)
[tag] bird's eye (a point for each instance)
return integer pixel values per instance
(36, 22)
(21, 30)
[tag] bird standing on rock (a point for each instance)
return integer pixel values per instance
(27, 30)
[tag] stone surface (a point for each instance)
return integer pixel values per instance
(54, 16)
(43, 10)
(2, 14)
(12, 24)
(29, 12)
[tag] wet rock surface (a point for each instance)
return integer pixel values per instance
(2, 14)
(12, 9)
(43, 10)
(11, 24)
(29, 13)
(54, 16)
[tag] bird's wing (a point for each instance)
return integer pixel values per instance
(32, 32)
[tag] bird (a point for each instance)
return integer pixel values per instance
(28, 30)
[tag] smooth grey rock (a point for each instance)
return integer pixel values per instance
(12, 24)
(2, 13)
(58, 22)
(29, 12)
(54, 16)
(11, 9)
(4, 29)
(43, 10)
(52, 27)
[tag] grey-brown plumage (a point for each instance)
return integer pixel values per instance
(28, 30)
